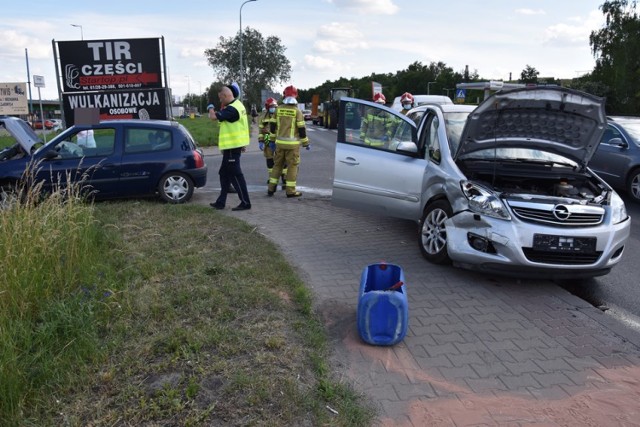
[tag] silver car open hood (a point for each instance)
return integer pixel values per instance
(20, 131)
(551, 119)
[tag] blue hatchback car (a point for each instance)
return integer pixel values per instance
(112, 159)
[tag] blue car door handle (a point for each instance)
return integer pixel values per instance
(108, 166)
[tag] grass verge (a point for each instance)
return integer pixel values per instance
(189, 318)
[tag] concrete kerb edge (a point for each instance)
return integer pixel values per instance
(617, 326)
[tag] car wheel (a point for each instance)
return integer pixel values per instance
(433, 233)
(633, 185)
(175, 187)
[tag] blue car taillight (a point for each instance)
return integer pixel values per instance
(199, 160)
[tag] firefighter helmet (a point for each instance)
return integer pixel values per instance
(270, 102)
(290, 91)
(406, 98)
(379, 98)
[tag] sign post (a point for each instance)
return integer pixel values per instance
(38, 81)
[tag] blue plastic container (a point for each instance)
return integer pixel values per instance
(383, 315)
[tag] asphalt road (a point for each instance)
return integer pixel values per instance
(618, 292)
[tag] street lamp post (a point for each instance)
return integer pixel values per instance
(81, 33)
(241, 67)
(189, 100)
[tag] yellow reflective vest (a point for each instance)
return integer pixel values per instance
(234, 134)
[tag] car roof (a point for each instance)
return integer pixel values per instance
(137, 122)
(445, 108)
(623, 119)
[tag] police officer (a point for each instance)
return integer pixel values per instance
(290, 130)
(234, 136)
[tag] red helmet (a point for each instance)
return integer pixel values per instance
(379, 98)
(290, 91)
(270, 102)
(406, 97)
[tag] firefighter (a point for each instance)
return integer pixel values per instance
(290, 130)
(376, 125)
(267, 140)
(406, 100)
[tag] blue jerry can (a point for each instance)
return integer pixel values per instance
(383, 313)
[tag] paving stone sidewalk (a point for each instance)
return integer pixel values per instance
(479, 351)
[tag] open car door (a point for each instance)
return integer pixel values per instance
(378, 167)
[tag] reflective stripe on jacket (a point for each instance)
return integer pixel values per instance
(234, 134)
(264, 121)
(376, 126)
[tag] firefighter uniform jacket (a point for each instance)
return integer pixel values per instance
(289, 126)
(264, 123)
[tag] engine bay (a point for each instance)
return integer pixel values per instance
(568, 185)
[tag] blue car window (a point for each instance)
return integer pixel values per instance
(138, 140)
(105, 141)
(88, 143)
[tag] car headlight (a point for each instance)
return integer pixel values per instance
(618, 210)
(483, 201)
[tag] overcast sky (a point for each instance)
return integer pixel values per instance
(324, 39)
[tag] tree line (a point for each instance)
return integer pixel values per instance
(616, 75)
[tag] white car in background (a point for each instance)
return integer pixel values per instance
(503, 187)
(422, 100)
(57, 124)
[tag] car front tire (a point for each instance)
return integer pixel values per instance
(176, 187)
(432, 236)
(633, 185)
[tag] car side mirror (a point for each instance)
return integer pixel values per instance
(409, 147)
(618, 142)
(51, 154)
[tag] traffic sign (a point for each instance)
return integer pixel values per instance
(38, 81)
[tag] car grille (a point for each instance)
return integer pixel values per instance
(557, 214)
(565, 258)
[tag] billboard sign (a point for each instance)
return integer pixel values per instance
(140, 104)
(13, 99)
(108, 65)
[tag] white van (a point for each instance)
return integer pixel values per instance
(421, 100)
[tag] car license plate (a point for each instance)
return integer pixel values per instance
(551, 243)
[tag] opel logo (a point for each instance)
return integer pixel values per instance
(561, 212)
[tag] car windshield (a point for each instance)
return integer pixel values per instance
(454, 124)
(520, 155)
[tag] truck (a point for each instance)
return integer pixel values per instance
(316, 110)
(177, 111)
(331, 107)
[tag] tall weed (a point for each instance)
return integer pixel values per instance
(50, 256)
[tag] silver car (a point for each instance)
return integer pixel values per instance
(502, 188)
